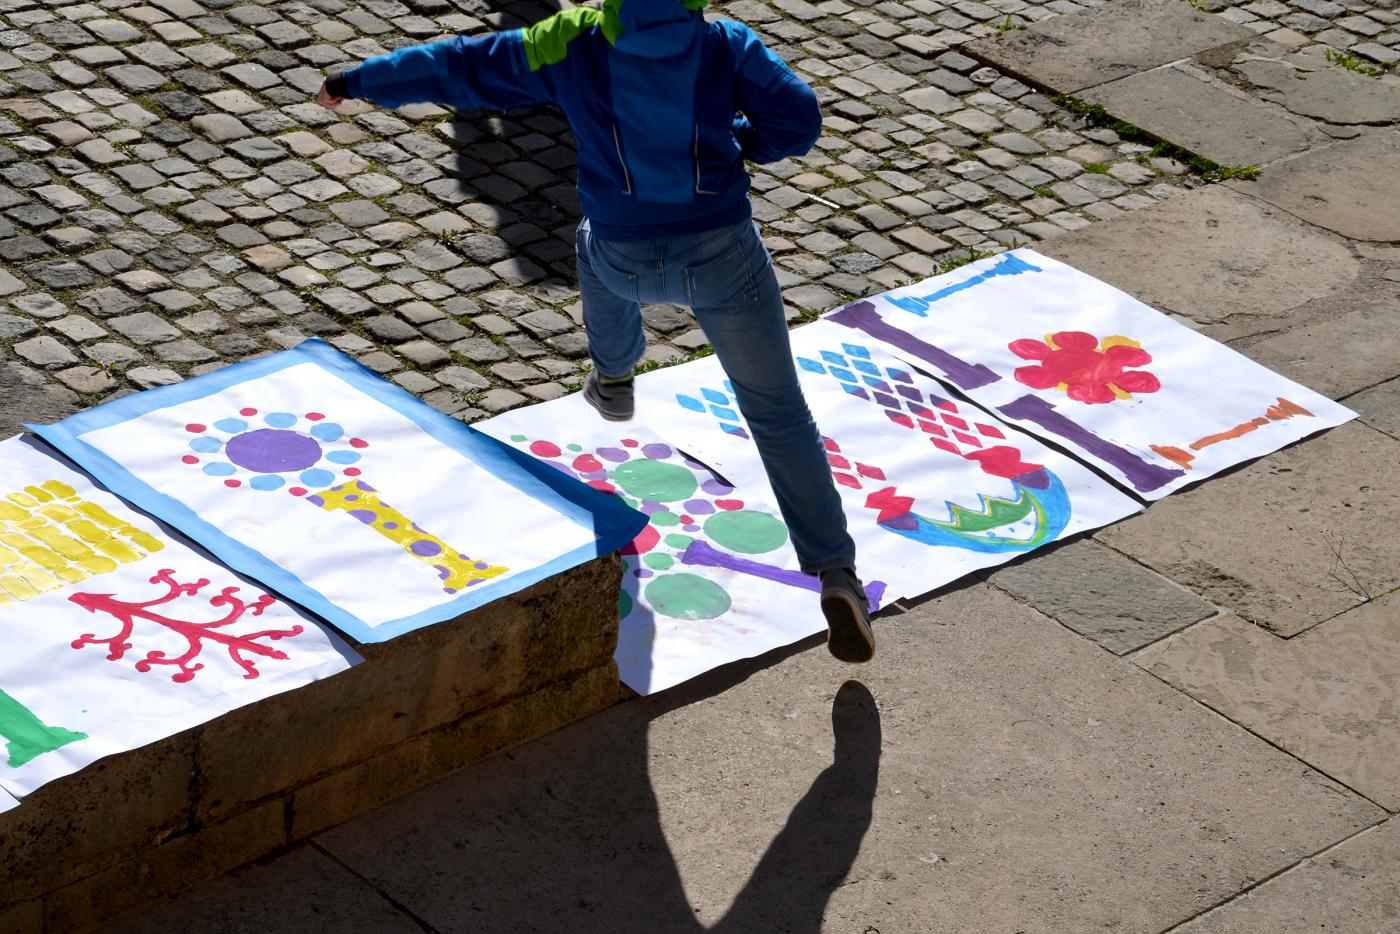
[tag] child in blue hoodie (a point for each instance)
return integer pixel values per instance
(664, 108)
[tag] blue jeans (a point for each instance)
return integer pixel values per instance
(726, 277)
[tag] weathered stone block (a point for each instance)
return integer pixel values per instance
(1232, 264)
(1102, 595)
(1288, 541)
(1070, 53)
(1349, 188)
(82, 823)
(423, 759)
(1204, 119)
(1327, 696)
(416, 683)
(182, 862)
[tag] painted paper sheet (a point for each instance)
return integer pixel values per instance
(710, 580)
(933, 489)
(7, 802)
(1076, 361)
(115, 633)
(341, 491)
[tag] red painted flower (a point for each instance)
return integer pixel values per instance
(1085, 368)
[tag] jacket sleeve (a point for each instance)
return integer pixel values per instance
(778, 112)
(487, 71)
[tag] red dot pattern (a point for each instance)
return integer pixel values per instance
(247, 411)
(232, 483)
(190, 459)
(194, 428)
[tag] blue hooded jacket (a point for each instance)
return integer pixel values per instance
(664, 107)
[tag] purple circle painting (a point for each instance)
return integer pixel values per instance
(272, 450)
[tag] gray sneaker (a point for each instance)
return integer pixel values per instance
(847, 613)
(614, 401)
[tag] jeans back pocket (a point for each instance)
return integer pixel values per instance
(727, 279)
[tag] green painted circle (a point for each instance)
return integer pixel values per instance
(624, 604)
(657, 480)
(664, 518)
(746, 531)
(678, 541)
(573, 447)
(658, 562)
(687, 596)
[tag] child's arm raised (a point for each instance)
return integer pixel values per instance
(488, 71)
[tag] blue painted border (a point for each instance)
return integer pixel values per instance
(614, 524)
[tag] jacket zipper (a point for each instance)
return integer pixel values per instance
(627, 178)
(698, 189)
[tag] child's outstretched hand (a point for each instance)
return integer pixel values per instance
(328, 100)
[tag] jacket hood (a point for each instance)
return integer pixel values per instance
(652, 28)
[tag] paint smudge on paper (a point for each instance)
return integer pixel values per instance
(688, 508)
(862, 316)
(50, 537)
(457, 570)
(1038, 513)
(274, 451)
(1009, 265)
(1282, 411)
(26, 736)
(1085, 368)
(195, 633)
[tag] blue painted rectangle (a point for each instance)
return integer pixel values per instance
(614, 524)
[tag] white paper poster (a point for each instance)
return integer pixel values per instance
(1070, 358)
(341, 491)
(115, 633)
(932, 489)
(710, 580)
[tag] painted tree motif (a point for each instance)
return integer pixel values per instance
(318, 461)
(195, 633)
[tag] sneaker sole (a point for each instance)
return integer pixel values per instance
(849, 638)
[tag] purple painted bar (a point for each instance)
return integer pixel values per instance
(1143, 475)
(862, 316)
(702, 554)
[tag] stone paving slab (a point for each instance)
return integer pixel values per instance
(314, 894)
(1228, 263)
(1288, 541)
(1029, 781)
(1310, 86)
(1203, 118)
(1352, 187)
(1350, 888)
(1101, 595)
(1379, 407)
(1329, 696)
(1353, 344)
(1120, 38)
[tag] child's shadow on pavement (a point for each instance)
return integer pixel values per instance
(565, 835)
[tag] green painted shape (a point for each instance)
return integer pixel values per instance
(678, 541)
(645, 478)
(994, 514)
(658, 562)
(624, 604)
(664, 519)
(687, 596)
(28, 736)
(746, 531)
(547, 42)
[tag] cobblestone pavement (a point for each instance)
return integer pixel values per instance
(172, 201)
